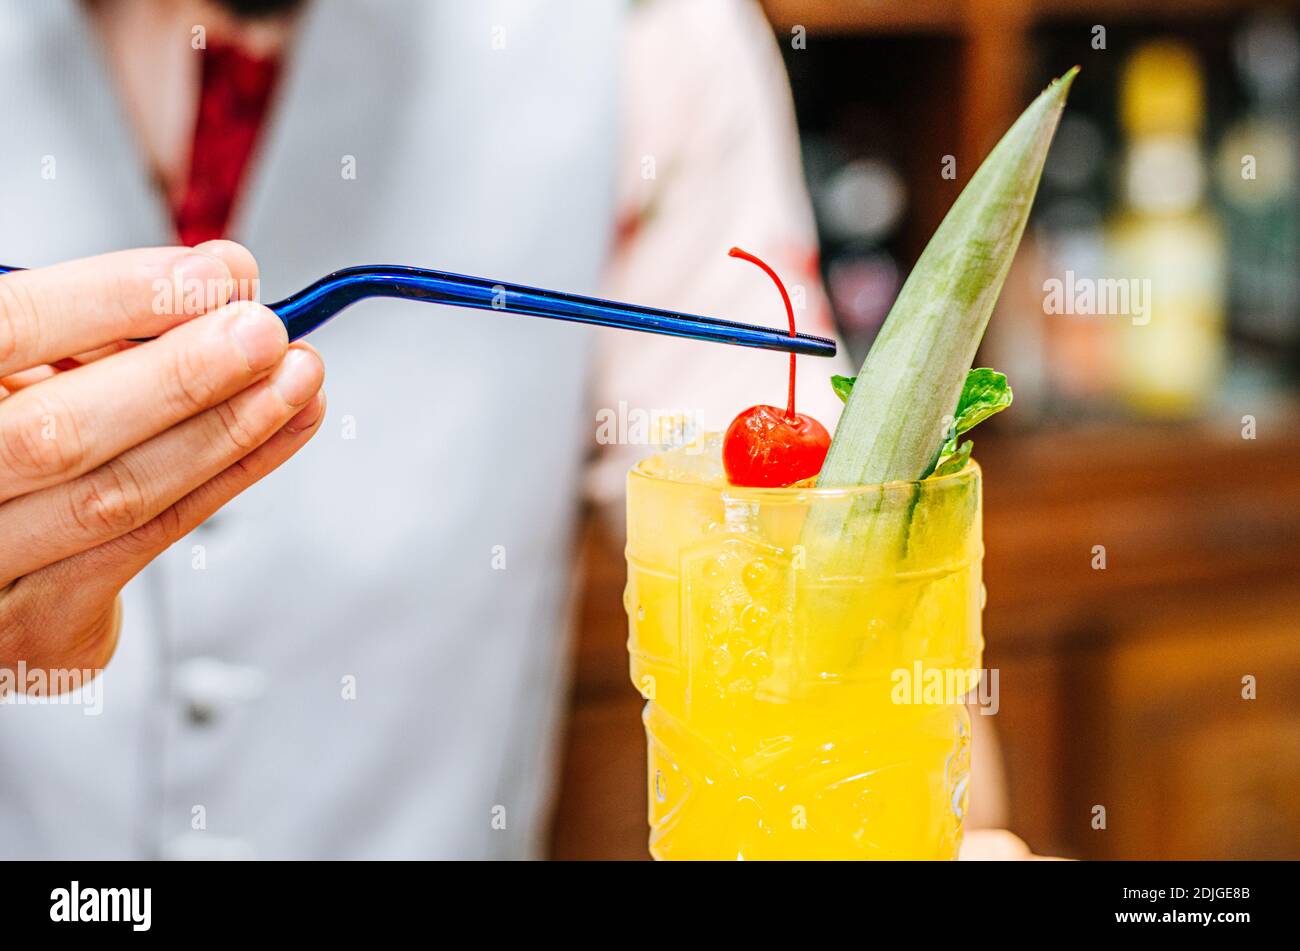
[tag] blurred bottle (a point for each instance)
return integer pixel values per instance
(1070, 231)
(1164, 250)
(859, 203)
(1256, 169)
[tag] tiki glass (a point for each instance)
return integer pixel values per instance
(780, 638)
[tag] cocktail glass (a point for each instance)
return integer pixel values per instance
(804, 654)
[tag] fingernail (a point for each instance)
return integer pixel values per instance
(260, 337)
(201, 265)
(307, 416)
(199, 283)
(298, 378)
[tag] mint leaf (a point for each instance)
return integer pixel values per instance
(984, 393)
(956, 460)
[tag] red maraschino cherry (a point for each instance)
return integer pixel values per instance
(766, 446)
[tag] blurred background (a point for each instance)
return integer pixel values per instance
(1142, 519)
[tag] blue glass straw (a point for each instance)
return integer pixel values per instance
(312, 306)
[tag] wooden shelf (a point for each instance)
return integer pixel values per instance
(1163, 10)
(867, 16)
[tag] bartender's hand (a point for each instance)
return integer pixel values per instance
(110, 452)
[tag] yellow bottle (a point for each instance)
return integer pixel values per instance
(1164, 245)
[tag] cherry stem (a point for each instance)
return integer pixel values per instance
(789, 313)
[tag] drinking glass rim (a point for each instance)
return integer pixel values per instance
(969, 472)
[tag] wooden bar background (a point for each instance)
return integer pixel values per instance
(1120, 688)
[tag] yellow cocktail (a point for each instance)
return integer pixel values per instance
(787, 642)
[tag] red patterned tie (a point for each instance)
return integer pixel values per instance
(234, 94)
